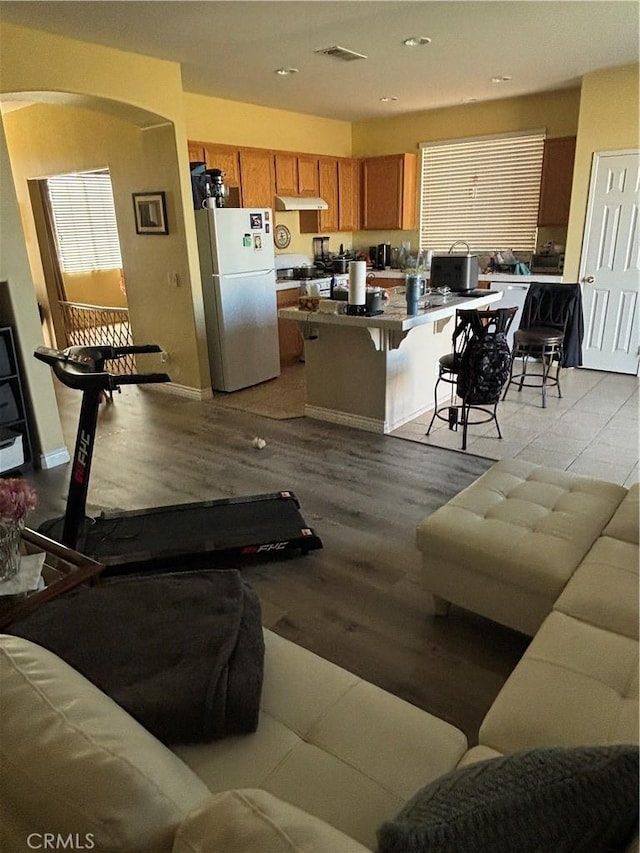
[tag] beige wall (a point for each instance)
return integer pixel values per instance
(19, 308)
(609, 119)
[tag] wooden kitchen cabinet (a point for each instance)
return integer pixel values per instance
(286, 171)
(291, 342)
(557, 180)
(196, 152)
(227, 158)
(328, 188)
(388, 188)
(257, 177)
(307, 175)
(348, 195)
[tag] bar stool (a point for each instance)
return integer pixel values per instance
(477, 368)
(548, 310)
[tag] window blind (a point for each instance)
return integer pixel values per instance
(485, 191)
(84, 220)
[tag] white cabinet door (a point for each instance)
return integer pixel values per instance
(610, 264)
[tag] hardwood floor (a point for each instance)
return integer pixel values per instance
(357, 601)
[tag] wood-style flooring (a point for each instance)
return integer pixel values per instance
(357, 601)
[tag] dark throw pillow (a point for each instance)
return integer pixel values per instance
(555, 800)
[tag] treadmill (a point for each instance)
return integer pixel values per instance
(209, 534)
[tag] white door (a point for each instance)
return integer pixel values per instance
(610, 264)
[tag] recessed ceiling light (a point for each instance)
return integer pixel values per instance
(387, 98)
(283, 72)
(502, 78)
(416, 41)
(469, 100)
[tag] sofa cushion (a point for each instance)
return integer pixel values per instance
(330, 743)
(526, 528)
(248, 821)
(604, 588)
(73, 762)
(558, 799)
(577, 684)
(625, 522)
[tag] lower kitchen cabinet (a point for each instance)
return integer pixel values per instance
(291, 343)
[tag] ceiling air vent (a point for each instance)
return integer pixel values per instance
(337, 52)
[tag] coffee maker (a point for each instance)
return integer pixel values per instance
(216, 188)
(320, 250)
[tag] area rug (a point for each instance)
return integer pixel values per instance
(280, 398)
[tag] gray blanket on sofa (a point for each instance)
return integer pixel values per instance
(183, 653)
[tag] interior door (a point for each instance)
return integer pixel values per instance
(610, 264)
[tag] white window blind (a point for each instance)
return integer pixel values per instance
(485, 191)
(84, 220)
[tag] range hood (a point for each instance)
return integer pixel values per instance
(291, 202)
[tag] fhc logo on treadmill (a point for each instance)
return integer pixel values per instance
(80, 471)
(270, 546)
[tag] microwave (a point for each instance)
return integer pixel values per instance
(550, 264)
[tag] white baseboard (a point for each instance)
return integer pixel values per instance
(52, 460)
(345, 419)
(184, 391)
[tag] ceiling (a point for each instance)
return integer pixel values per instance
(231, 49)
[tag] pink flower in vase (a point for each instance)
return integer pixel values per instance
(17, 498)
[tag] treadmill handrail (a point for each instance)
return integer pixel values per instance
(81, 368)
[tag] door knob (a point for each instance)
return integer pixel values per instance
(589, 279)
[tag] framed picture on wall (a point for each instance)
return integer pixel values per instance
(151, 213)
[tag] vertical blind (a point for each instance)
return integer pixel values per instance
(84, 220)
(485, 191)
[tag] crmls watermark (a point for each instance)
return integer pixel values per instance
(58, 841)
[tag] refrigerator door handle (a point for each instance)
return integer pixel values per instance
(251, 274)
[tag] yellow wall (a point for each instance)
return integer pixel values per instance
(232, 123)
(47, 140)
(557, 112)
(609, 121)
(136, 91)
(97, 287)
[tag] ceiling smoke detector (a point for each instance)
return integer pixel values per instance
(342, 53)
(416, 41)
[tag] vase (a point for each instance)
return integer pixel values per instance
(9, 548)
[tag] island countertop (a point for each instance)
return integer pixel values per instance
(395, 317)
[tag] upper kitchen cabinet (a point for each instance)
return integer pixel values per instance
(388, 186)
(196, 152)
(224, 157)
(308, 181)
(348, 195)
(257, 175)
(557, 178)
(328, 189)
(286, 169)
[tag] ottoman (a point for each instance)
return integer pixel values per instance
(506, 546)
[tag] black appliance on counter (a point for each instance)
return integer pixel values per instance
(383, 256)
(457, 272)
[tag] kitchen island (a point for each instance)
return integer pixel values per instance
(376, 373)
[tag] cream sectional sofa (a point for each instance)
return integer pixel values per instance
(333, 756)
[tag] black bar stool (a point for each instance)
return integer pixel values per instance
(548, 310)
(477, 369)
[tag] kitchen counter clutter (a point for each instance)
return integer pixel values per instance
(376, 373)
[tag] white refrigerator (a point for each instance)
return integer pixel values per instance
(235, 246)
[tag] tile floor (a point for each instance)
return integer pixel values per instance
(592, 430)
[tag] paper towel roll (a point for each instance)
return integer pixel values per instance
(357, 282)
